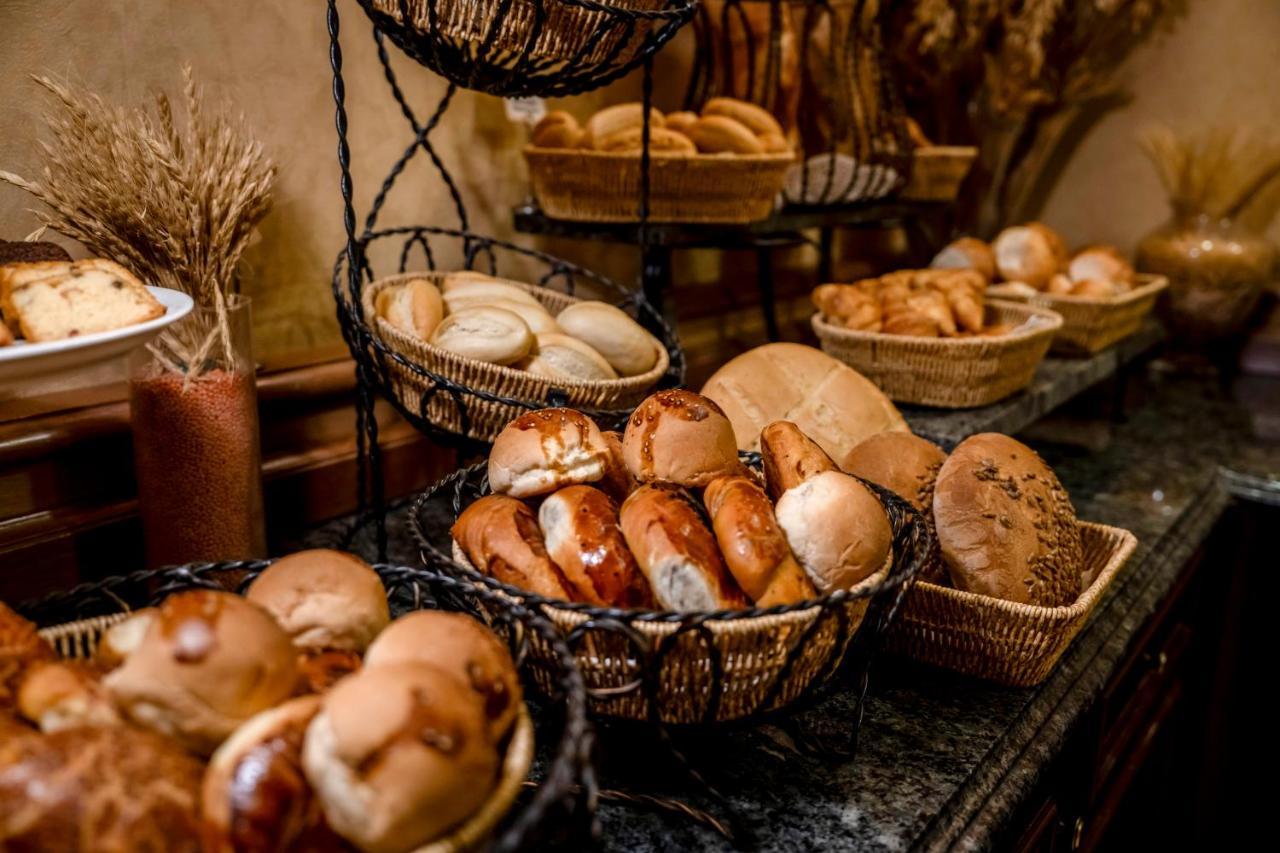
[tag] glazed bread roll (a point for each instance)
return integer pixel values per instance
(545, 450)
(557, 129)
(837, 530)
(610, 331)
(398, 756)
(486, 334)
(681, 438)
(320, 669)
(414, 307)
(500, 536)
(619, 117)
(580, 525)
(756, 119)
(617, 482)
(323, 599)
(254, 795)
(1032, 253)
(719, 134)
(119, 641)
(790, 457)
(905, 464)
(967, 253)
(112, 789)
(20, 647)
(1103, 263)
(754, 547)
(1005, 525)
(63, 694)
(463, 647)
(208, 662)
(567, 358)
(661, 141)
(676, 551)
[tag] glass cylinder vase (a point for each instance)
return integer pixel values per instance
(194, 408)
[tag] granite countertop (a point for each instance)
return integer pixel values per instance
(943, 759)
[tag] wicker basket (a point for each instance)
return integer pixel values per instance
(1090, 324)
(600, 186)
(1004, 641)
(952, 373)
(486, 418)
(937, 171)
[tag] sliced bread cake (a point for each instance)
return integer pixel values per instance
(53, 300)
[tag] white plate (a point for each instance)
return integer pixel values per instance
(21, 359)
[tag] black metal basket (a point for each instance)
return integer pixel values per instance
(560, 809)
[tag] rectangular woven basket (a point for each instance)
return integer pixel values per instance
(1005, 641)
(1090, 324)
(951, 373)
(937, 171)
(603, 186)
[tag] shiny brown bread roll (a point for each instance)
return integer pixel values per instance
(789, 457)
(580, 525)
(681, 438)
(500, 537)
(836, 528)
(967, 253)
(64, 694)
(119, 641)
(617, 482)
(110, 789)
(676, 551)
(903, 463)
(20, 647)
(1006, 527)
(545, 450)
(320, 669)
(753, 545)
(466, 649)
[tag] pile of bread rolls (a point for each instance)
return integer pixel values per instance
(666, 516)
(1033, 258)
(296, 717)
(497, 321)
(726, 126)
(933, 303)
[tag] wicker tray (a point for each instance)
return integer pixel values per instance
(1004, 641)
(937, 171)
(486, 418)
(952, 373)
(599, 186)
(1090, 324)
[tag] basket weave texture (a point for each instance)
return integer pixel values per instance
(937, 171)
(486, 418)
(952, 373)
(1005, 641)
(602, 186)
(1090, 324)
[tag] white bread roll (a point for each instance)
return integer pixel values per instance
(1033, 253)
(611, 332)
(486, 334)
(545, 450)
(484, 290)
(414, 307)
(967, 253)
(837, 530)
(323, 599)
(559, 356)
(1104, 263)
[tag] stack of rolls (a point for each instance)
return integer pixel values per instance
(299, 716)
(921, 303)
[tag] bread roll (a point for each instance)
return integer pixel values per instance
(756, 119)
(6, 334)
(753, 545)
(557, 129)
(63, 694)
(545, 450)
(463, 647)
(837, 530)
(119, 641)
(414, 307)
(580, 525)
(967, 253)
(661, 141)
(492, 335)
(254, 795)
(500, 536)
(107, 790)
(611, 120)
(848, 305)
(790, 457)
(1032, 253)
(617, 482)
(208, 662)
(1095, 288)
(536, 317)
(466, 285)
(905, 464)
(20, 648)
(563, 357)
(610, 331)
(721, 134)
(1104, 263)
(681, 438)
(398, 756)
(1005, 525)
(1059, 285)
(320, 669)
(829, 401)
(676, 551)
(775, 144)
(681, 121)
(323, 599)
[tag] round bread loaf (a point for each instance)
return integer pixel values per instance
(789, 457)
(681, 438)
(580, 525)
(1032, 253)
(208, 662)
(756, 119)
(967, 253)
(398, 756)
(487, 334)
(63, 694)
(1104, 263)
(323, 599)
(837, 530)
(719, 134)
(829, 401)
(903, 463)
(754, 547)
(414, 306)
(545, 450)
(1005, 525)
(119, 641)
(610, 331)
(564, 357)
(500, 536)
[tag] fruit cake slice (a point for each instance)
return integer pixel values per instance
(52, 300)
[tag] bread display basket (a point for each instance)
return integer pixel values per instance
(698, 667)
(74, 621)
(951, 373)
(605, 186)
(937, 171)
(1090, 324)
(1005, 641)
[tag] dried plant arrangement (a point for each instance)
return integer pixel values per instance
(1021, 79)
(1225, 173)
(175, 201)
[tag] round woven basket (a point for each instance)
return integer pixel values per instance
(952, 373)
(1090, 324)
(418, 390)
(937, 171)
(603, 186)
